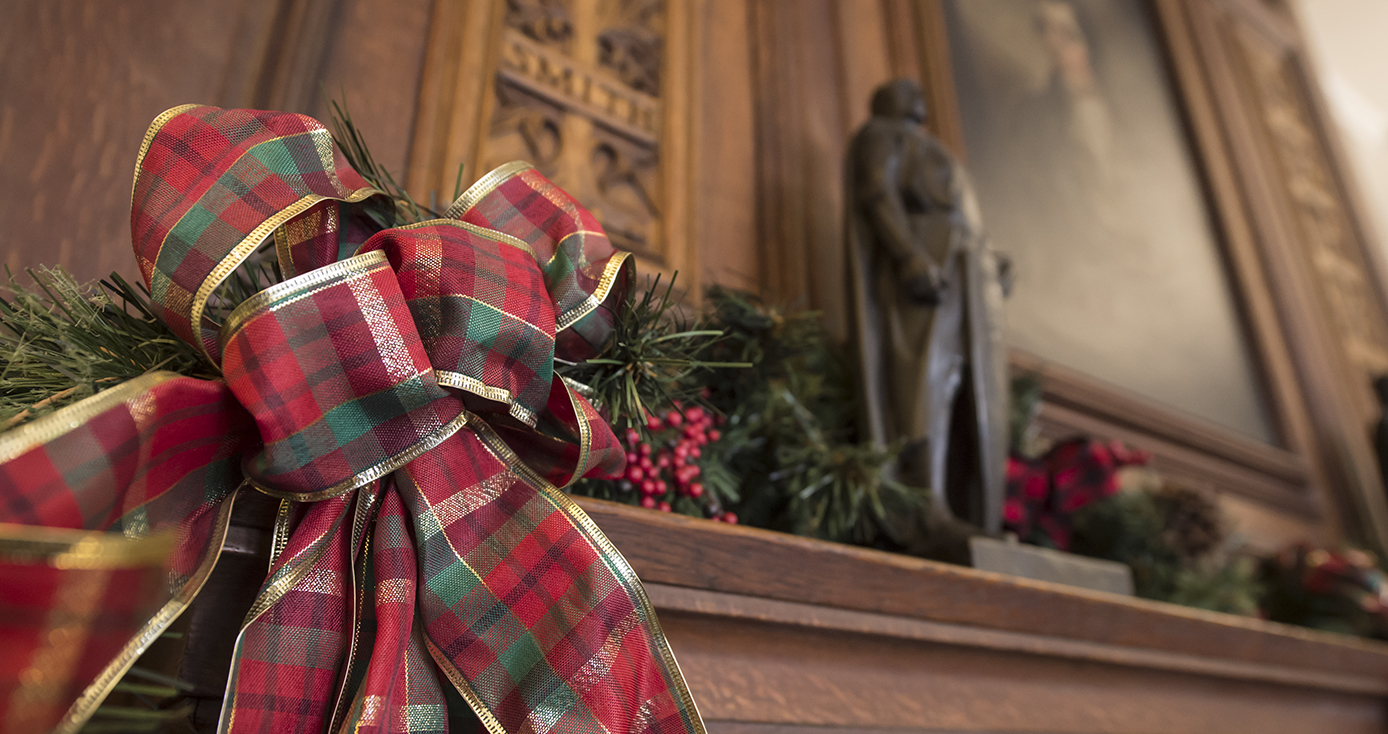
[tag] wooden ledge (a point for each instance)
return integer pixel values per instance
(696, 566)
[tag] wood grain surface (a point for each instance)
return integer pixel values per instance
(748, 673)
(81, 81)
(690, 552)
(783, 635)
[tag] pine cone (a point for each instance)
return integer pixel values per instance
(1195, 524)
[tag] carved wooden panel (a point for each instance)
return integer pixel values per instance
(1317, 204)
(578, 93)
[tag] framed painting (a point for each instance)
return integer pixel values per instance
(1087, 179)
(1100, 152)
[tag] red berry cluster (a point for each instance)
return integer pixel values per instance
(672, 470)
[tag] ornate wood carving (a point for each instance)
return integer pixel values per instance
(1326, 232)
(578, 94)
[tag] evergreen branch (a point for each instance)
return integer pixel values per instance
(405, 209)
(61, 342)
(651, 360)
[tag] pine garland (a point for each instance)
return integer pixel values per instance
(791, 444)
(783, 454)
(61, 342)
(652, 362)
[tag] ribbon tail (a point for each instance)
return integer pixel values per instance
(531, 614)
(292, 652)
(86, 493)
(401, 690)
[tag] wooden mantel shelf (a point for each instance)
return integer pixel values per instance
(781, 634)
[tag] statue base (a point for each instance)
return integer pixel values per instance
(1044, 564)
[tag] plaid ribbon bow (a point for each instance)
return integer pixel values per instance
(397, 393)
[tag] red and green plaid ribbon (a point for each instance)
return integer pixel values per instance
(392, 393)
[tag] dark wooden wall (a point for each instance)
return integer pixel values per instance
(80, 80)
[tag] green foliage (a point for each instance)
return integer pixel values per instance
(1175, 542)
(1223, 583)
(145, 701)
(654, 359)
(61, 342)
(831, 490)
(1128, 527)
(259, 271)
(1025, 406)
(1338, 591)
(787, 457)
(784, 348)
(790, 449)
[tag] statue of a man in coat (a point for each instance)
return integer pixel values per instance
(927, 294)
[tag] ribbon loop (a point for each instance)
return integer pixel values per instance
(210, 186)
(479, 302)
(583, 272)
(333, 370)
(328, 232)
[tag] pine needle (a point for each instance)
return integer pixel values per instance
(654, 359)
(61, 342)
(406, 210)
(144, 702)
(790, 443)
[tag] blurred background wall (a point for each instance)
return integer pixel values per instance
(80, 80)
(1346, 42)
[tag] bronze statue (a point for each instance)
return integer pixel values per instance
(927, 295)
